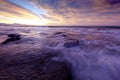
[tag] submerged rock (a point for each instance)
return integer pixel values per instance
(71, 44)
(11, 38)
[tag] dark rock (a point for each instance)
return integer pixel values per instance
(60, 33)
(35, 67)
(11, 38)
(37, 71)
(71, 44)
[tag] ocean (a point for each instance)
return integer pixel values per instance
(92, 53)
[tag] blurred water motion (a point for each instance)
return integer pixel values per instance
(93, 54)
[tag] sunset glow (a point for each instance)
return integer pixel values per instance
(63, 12)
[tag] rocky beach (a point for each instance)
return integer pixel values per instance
(48, 53)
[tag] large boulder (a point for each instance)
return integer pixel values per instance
(11, 38)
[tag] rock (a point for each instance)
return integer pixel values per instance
(37, 71)
(60, 33)
(71, 44)
(11, 38)
(39, 67)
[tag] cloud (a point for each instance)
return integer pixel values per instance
(113, 2)
(11, 13)
(62, 12)
(80, 12)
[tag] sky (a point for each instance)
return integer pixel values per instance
(61, 12)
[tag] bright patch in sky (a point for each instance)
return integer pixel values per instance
(61, 12)
(29, 6)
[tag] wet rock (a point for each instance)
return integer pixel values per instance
(11, 38)
(60, 33)
(71, 44)
(37, 71)
(38, 67)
